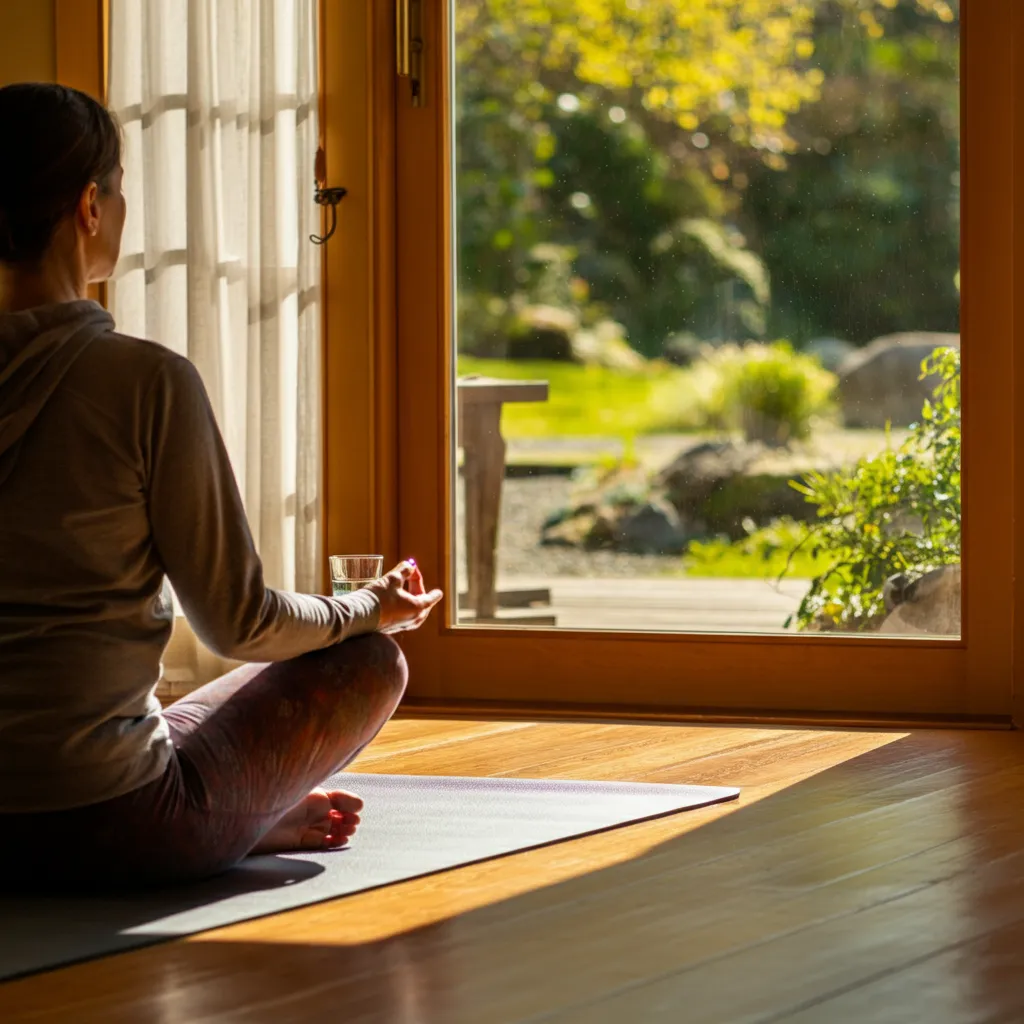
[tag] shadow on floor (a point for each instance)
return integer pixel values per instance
(885, 888)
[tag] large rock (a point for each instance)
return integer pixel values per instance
(683, 349)
(543, 332)
(881, 383)
(927, 606)
(650, 527)
(716, 486)
(830, 352)
(712, 488)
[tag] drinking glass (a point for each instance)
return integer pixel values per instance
(352, 572)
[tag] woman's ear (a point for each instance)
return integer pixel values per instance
(89, 209)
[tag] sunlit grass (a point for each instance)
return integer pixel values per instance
(763, 554)
(593, 401)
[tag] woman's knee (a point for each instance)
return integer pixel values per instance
(374, 661)
(386, 661)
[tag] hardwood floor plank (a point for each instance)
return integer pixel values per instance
(857, 868)
(846, 951)
(939, 987)
(408, 736)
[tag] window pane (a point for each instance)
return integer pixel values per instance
(707, 294)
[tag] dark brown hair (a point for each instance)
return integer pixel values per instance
(55, 142)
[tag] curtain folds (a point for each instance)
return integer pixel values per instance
(218, 100)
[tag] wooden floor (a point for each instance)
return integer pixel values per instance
(862, 877)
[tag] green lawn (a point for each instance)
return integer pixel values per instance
(763, 555)
(593, 401)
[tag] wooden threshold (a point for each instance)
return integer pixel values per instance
(485, 710)
(863, 875)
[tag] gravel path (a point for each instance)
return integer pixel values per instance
(526, 503)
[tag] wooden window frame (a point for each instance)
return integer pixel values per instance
(811, 678)
(80, 40)
(387, 482)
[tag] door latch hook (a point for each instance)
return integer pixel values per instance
(329, 197)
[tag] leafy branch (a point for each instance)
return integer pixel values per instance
(896, 513)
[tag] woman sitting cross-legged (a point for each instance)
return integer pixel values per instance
(113, 480)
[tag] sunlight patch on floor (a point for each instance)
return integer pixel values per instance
(418, 903)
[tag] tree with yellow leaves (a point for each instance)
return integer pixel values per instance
(683, 61)
(625, 133)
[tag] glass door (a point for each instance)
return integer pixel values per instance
(680, 289)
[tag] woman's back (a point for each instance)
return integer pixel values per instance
(83, 616)
(113, 476)
(113, 473)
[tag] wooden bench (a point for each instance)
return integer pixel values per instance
(480, 400)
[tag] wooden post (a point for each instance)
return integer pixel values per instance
(483, 470)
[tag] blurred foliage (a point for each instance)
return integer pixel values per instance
(861, 231)
(769, 392)
(896, 513)
(764, 554)
(686, 155)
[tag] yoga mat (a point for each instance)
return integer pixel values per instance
(412, 826)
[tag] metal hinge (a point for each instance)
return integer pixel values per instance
(409, 45)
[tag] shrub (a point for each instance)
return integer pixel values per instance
(896, 513)
(762, 554)
(769, 392)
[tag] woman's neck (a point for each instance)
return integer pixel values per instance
(46, 283)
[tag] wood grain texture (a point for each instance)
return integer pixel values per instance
(862, 876)
(774, 675)
(360, 418)
(28, 46)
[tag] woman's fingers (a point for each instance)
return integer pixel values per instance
(402, 572)
(416, 609)
(424, 602)
(404, 604)
(415, 584)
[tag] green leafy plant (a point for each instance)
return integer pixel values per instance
(895, 513)
(762, 554)
(769, 392)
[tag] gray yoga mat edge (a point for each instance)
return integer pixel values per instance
(456, 821)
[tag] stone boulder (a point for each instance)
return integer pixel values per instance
(683, 349)
(650, 527)
(543, 332)
(881, 383)
(717, 486)
(830, 352)
(712, 488)
(927, 606)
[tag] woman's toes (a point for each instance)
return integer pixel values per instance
(341, 830)
(322, 821)
(347, 803)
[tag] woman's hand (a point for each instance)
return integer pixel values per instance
(404, 601)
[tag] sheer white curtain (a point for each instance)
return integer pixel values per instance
(218, 99)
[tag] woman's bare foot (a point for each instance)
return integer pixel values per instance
(322, 821)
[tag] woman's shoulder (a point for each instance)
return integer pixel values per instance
(120, 371)
(129, 349)
(138, 358)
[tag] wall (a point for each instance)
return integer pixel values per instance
(27, 41)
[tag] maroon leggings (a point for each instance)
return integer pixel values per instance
(247, 748)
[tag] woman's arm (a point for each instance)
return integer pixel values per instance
(202, 536)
